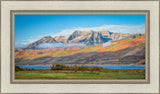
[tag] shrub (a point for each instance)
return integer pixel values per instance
(75, 68)
(59, 67)
(17, 68)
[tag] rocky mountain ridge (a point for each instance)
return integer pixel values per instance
(88, 37)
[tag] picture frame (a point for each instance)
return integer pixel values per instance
(10, 85)
(79, 81)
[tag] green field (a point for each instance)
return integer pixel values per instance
(109, 74)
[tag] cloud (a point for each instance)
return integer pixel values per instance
(112, 28)
(35, 38)
(21, 45)
(107, 44)
(58, 45)
(32, 40)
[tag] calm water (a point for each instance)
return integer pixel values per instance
(104, 66)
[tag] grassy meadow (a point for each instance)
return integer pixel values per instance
(112, 74)
(79, 73)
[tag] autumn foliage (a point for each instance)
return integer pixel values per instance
(64, 51)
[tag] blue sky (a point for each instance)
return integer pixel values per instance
(29, 28)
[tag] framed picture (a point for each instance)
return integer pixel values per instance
(80, 47)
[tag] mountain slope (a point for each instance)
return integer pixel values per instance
(122, 36)
(60, 38)
(90, 39)
(43, 40)
(128, 51)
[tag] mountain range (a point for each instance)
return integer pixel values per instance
(87, 37)
(101, 47)
(123, 52)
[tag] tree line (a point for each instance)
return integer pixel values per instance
(60, 67)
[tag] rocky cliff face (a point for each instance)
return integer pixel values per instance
(121, 36)
(60, 38)
(88, 37)
(105, 33)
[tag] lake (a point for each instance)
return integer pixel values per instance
(103, 66)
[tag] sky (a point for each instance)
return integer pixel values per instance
(29, 28)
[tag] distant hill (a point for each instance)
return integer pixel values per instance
(127, 51)
(88, 37)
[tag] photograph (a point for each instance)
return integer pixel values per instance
(79, 46)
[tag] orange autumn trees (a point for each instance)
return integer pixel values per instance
(68, 51)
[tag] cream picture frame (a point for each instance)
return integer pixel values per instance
(10, 85)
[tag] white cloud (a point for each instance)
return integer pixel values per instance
(107, 44)
(112, 28)
(32, 40)
(35, 38)
(63, 32)
(57, 45)
(20, 45)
